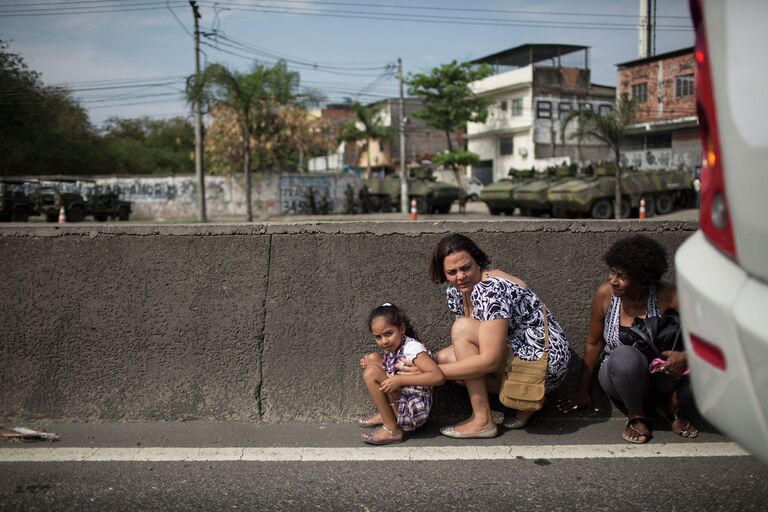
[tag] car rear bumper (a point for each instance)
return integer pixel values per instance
(727, 308)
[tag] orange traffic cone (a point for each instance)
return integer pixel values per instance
(62, 215)
(642, 208)
(413, 209)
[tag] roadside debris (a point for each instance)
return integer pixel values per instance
(28, 435)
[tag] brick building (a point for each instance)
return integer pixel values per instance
(666, 133)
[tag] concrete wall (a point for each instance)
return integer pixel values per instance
(174, 197)
(251, 322)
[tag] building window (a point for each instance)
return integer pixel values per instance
(503, 105)
(517, 107)
(640, 92)
(604, 110)
(684, 85)
(506, 146)
(563, 109)
(544, 109)
(585, 106)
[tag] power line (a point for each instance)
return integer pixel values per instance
(387, 16)
(459, 9)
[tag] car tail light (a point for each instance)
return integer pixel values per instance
(708, 352)
(714, 217)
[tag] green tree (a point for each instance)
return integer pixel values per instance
(42, 129)
(449, 102)
(143, 145)
(610, 128)
(255, 97)
(367, 126)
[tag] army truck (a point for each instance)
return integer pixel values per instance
(50, 198)
(100, 202)
(663, 191)
(531, 197)
(431, 195)
(499, 196)
(104, 203)
(15, 204)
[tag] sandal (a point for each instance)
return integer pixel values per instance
(370, 437)
(681, 426)
(632, 435)
(369, 422)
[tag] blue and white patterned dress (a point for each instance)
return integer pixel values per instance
(497, 298)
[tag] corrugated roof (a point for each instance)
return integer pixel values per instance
(527, 54)
(659, 56)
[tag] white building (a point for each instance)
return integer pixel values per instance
(533, 87)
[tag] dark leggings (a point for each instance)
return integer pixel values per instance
(625, 377)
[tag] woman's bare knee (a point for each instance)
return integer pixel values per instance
(465, 329)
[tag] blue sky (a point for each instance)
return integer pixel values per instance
(130, 58)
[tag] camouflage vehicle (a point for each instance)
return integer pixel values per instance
(49, 200)
(15, 204)
(104, 203)
(100, 202)
(531, 197)
(663, 191)
(499, 196)
(431, 195)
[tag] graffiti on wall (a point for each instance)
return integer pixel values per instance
(308, 194)
(660, 159)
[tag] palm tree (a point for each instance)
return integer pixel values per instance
(254, 97)
(610, 128)
(368, 118)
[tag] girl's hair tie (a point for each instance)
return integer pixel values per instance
(387, 304)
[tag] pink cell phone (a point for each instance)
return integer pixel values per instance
(656, 365)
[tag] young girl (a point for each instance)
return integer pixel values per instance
(403, 401)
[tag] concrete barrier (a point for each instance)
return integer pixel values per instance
(252, 322)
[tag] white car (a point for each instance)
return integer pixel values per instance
(474, 186)
(722, 270)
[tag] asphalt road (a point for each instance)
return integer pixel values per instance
(556, 464)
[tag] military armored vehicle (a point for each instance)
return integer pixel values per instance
(531, 197)
(663, 191)
(431, 195)
(100, 201)
(49, 198)
(499, 196)
(104, 203)
(15, 204)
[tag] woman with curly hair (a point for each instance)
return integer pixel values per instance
(633, 290)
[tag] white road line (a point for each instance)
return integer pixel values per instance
(392, 453)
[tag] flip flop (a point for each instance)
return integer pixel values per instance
(687, 430)
(368, 437)
(639, 437)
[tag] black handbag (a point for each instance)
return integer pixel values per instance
(657, 334)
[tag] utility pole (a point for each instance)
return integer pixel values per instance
(201, 214)
(404, 203)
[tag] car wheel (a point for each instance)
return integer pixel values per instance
(664, 204)
(75, 214)
(602, 209)
(494, 211)
(123, 214)
(20, 215)
(626, 210)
